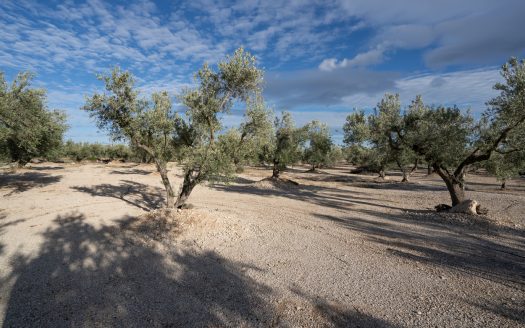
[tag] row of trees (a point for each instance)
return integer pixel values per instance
(29, 130)
(446, 138)
(79, 151)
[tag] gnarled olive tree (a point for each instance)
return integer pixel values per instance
(451, 140)
(153, 125)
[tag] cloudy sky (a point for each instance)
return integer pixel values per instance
(322, 58)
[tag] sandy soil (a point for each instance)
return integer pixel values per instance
(79, 248)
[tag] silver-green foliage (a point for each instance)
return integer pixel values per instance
(451, 140)
(243, 144)
(153, 125)
(376, 137)
(286, 144)
(320, 145)
(27, 128)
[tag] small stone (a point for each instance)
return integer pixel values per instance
(418, 312)
(442, 277)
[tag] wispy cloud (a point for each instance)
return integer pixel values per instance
(322, 57)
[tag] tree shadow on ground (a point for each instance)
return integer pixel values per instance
(131, 171)
(439, 242)
(109, 276)
(320, 195)
(397, 185)
(3, 226)
(46, 168)
(509, 308)
(134, 193)
(20, 182)
(336, 314)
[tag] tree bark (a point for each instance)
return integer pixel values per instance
(276, 172)
(503, 185)
(161, 168)
(187, 187)
(406, 175)
(170, 195)
(382, 173)
(430, 170)
(454, 184)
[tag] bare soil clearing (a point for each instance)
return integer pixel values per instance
(78, 247)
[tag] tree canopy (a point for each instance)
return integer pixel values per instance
(27, 128)
(190, 137)
(320, 145)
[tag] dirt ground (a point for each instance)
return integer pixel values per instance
(79, 247)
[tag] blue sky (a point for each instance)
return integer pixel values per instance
(322, 58)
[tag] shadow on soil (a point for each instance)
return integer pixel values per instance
(470, 249)
(20, 182)
(111, 277)
(46, 168)
(87, 276)
(509, 308)
(340, 315)
(3, 226)
(320, 195)
(131, 172)
(134, 193)
(470, 245)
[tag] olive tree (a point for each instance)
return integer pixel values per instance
(153, 126)
(451, 140)
(372, 135)
(506, 166)
(243, 143)
(320, 145)
(286, 144)
(27, 128)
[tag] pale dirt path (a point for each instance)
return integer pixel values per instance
(338, 251)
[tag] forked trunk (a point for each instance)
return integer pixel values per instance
(406, 175)
(404, 171)
(382, 173)
(454, 185)
(187, 187)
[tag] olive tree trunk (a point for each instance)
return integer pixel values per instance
(276, 172)
(454, 183)
(170, 194)
(187, 187)
(161, 166)
(430, 170)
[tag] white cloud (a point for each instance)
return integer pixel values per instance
(373, 56)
